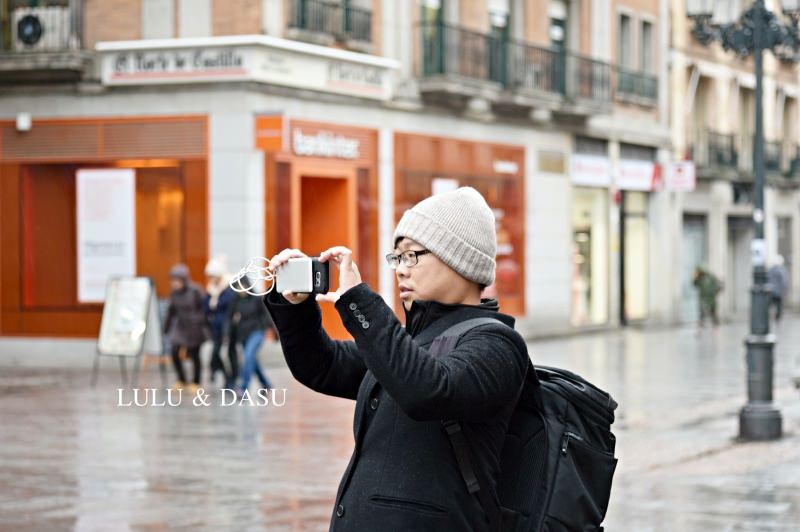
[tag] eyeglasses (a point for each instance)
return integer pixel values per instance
(408, 258)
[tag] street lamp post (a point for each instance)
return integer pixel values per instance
(756, 30)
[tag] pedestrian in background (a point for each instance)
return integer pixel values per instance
(219, 296)
(708, 288)
(186, 324)
(248, 322)
(778, 278)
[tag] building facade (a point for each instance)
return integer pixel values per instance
(713, 118)
(254, 125)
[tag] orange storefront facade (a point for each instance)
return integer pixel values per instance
(39, 256)
(321, 190)
(426, 164)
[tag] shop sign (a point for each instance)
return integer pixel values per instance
(176, 65)
(258, 58)
(106, 229)
(324, 144)
(680, 175)
(591, 170)
(636, 175)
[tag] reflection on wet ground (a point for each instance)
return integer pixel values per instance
(72, 459)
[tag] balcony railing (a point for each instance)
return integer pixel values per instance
(793, 159)
(53, 27)
(631, 84)
(715, 150)
(518, 66)
(463, 53)
(332, 18)
(773, 156)
(722, 150)
(589, 79)
(534, 68)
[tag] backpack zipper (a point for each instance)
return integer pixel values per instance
(565, 441)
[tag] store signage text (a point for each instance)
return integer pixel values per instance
(591, 170)
(636, 175)
(178, 62)
(325, 144)
(255, 58)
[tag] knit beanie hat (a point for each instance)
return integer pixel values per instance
(459, 228)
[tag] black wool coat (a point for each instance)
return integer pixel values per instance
(403, 474)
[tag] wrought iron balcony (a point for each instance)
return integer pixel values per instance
(714, 150)
(637, 86)
(793, 171)
(589, 80)
(536, 69)
(722, 150)
(773, 156)
(335, 19)
(453, 51)
(466, 58)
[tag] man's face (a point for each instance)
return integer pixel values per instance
(428, 280)
(176, 283)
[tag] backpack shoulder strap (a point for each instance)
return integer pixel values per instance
(473, 478)
(465, 326)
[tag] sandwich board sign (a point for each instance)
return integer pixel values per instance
(130, 324)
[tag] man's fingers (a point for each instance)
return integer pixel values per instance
(336, 253)
(330, 297)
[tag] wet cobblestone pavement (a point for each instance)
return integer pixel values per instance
(72, 459)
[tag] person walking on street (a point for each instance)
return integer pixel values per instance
(404, 473)
(186, 324)
(248, 322)
(217, 301)
(708, 288)
(777, 278)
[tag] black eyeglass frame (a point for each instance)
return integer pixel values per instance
(411, 260)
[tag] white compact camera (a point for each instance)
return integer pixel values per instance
(303, 276)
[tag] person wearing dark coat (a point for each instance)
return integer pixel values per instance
(185, 323)
(216, 304)
(248, 321)
(777, 281)
(403, 474)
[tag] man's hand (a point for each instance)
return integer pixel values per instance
(348, 272)
(282, 258)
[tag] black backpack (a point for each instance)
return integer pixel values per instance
(557, 461)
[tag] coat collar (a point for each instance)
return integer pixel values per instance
(424, 313)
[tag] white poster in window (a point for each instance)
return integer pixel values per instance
(106, 218)
(636, 175)
(591, 170)
(680, 175)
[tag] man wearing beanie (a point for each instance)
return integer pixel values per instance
(403, 474)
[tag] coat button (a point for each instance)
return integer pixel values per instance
(357, 314)
(361, 318)
(339, 511)
(353, 306)
(365, 325)
(374, 403)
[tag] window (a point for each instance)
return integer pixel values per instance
(557, 11)
(589, 276)
(625, 43)
(158, 19)
(647, 61)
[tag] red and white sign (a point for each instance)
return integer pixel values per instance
(680, 175)
(637, 175)
(591, 170)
